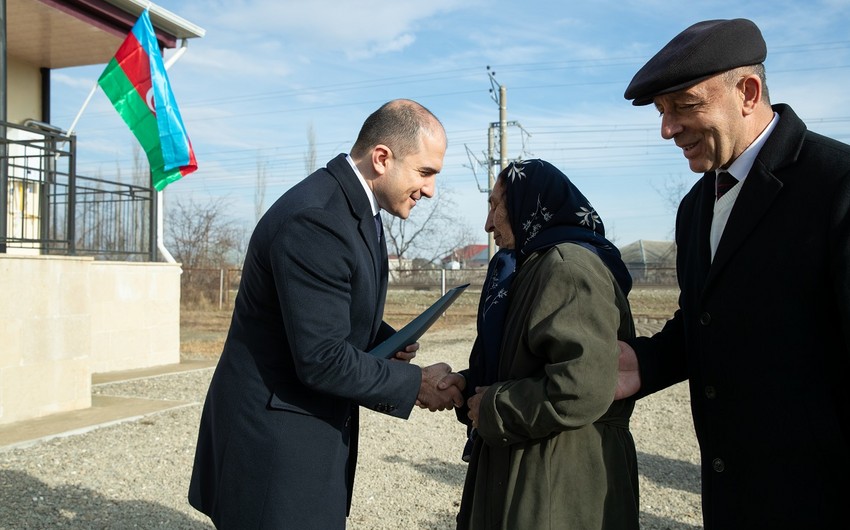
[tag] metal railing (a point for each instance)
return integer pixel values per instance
(49, 209)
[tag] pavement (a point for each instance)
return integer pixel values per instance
(104, 410)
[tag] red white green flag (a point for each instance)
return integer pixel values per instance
(136, 83)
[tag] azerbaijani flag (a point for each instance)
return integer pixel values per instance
(137, 85)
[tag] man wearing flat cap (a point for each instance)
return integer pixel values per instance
(762, 332)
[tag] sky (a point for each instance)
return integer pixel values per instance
(268, 74)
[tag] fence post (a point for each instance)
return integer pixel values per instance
(220, 288)
(442, 282)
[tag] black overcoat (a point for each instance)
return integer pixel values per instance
(763, 335)
(278, 435)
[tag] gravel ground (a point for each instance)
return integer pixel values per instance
(135, 474)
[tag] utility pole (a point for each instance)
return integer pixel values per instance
(499, 94)
(502, 101)
(491, 181)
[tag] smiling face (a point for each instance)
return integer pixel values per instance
(706, 121)
(406, 180)
(497, 217)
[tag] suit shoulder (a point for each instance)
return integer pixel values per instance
(318, 190)
(829, 150)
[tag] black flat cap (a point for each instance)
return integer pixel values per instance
(701, 51)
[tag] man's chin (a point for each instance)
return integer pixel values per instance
(699, 166)
(402, 214)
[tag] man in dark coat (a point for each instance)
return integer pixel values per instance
(762, 332)
(277, 444)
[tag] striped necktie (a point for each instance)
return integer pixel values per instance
(723, 183)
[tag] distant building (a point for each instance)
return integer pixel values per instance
(468, 257)
(651, 262)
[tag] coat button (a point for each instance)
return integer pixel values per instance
(705, 319)
(718, 465)
(710, 392)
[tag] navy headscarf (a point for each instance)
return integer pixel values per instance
(544, 209)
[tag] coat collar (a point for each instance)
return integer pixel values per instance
(361, 209)
(341, 170)
(761, 186)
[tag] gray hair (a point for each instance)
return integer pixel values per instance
(732, 77)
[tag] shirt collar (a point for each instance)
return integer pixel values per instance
(373, 201)
(742, 165)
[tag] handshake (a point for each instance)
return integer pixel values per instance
(441, 388)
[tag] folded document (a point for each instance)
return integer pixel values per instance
(418, 326)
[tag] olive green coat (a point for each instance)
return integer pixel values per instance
(553, 451)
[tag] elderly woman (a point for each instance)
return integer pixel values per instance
(549, 448)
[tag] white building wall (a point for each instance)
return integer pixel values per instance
(64, 318)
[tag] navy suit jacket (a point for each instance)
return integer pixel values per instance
(763, 335)
(277, 443)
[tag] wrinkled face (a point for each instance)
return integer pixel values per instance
(408, 179)
(497, 217)
(706, 122)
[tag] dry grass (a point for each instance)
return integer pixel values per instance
(202, 331)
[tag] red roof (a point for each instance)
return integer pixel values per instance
(465, 253)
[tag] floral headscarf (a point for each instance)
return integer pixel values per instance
(545, 209)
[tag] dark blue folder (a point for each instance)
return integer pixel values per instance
(419, 325)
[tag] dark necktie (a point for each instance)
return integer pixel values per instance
(379, 225)
(723, 183)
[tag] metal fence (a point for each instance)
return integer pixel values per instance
(49, 209)
(211, 288)
(217, 288)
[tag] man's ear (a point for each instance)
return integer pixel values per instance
(381, 156)
(752, 93)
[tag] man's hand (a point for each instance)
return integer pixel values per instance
(628, 374)
(408, 353)
(433, 398)
(452, 379)
(474, 404)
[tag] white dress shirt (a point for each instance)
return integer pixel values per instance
(739, 169)
(372, 199)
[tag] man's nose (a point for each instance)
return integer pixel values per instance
(428, 189)
(669, 127)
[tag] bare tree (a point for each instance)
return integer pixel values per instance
(207, 242)
(672, 192)
(434, 229)
(203, 235)
(310, 155)
(141, 172)
(260, 190)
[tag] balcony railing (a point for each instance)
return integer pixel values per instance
(49, 209)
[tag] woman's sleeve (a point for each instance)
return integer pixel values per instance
(572, 326)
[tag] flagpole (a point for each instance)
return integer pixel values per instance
(70, 130)
(160, 218)
(160, 230)
(82, 109)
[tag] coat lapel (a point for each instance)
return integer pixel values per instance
(362, 212)
(757, 194)
(760, 189)
(694, 253)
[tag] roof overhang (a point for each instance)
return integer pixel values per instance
(63, 33)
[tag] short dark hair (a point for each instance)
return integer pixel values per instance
(398, 124)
